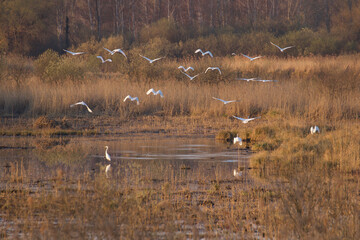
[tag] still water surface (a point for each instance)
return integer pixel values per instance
(192, 158)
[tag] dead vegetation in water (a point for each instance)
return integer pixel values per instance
(134, 204)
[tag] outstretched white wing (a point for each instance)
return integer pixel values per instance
(81, 103)
(118, 50)
(208, 52)
(111, 52)
(145, 58)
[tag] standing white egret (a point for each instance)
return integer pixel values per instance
(251, 58)
(204, 53)
(224, 101)
(185, 69)
(237, 173)
(314, 129)
(151, 90)
(82, 103)
(213, 68)
(246, 120)
(191, 78)
(102, 59)
(237, 139)
(107, 155)
(151, 60)
(118, 50)
(132, 99)
(282, 49)
(74, 53)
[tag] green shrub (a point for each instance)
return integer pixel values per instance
(51, 68)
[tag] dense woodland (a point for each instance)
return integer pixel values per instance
(29, 27)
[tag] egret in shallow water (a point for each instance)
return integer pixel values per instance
(74, 53)
(204, 53)
(237, 140)
(81, 103)
(237, 173)
(107, 155)
(151, 60)
(151, 90)
(251, 58)
(118, 50)
(132, 99)
(282, 49)
(224, 101)
(246, 120)
(102, 59)
(314, 129)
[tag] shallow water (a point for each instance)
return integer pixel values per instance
(194, 158)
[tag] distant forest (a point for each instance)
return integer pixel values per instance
(29, 27)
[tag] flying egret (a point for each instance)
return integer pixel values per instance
(118, 50)
(246, 120)
(314, 129)
(151, 90)
(151, 60)
(81, 103)
(204, 53)
(74, 53)
(213, 68)
(247, 79)
(265, 80)
(251, 58)
(237, 173)
(191, 78)
(107, 155)
(185, 69)
(132, 99)
(281, 49)
(224, 101)
(102, 59)
(237, 139)
(107, 170)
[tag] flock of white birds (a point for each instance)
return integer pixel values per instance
(236, 140)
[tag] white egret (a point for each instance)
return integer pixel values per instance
(185, 69)
(265, 80)
(74, 53)
(204, 53)
(237, 139)
(151, 60)
(191, 78)
(282, 49)
(224, 101)
(246, 120)
(151, 90)
(107, 155)
(314, 129)
(237, 173)
(247, 79)
(213, 68)
(132, 99)
(102, 59)
(82, 103)
(251, 58)
(118, 50)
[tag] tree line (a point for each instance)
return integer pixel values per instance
(29, 27)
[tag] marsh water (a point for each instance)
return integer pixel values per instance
(156, 158)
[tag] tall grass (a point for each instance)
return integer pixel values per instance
(314, 88)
